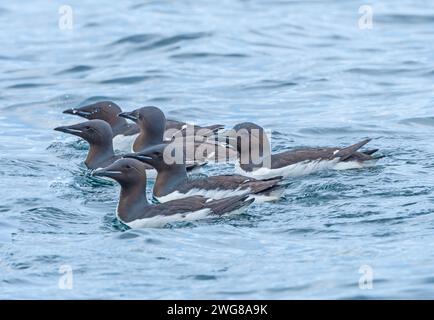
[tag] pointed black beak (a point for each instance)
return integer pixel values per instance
(105, 172)
(128, 115)
(69, 129)
(77, 112)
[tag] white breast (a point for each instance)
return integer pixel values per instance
(151, 173)
(124, 143)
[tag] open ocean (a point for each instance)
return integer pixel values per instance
(303, 69)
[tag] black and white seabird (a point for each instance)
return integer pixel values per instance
(152, 124)
(135, 211)
(255, 158)
(98, 134)
(124, 133)
(172, 181)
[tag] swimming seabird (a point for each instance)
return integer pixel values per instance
(135, 211)
(124, 132)
(152, 124)
(172, 181)
(255, 158)
(98, 134)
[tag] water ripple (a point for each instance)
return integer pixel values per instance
(125, 80)
(312, 79)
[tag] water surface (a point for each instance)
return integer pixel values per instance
(302, 69)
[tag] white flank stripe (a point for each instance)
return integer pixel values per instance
(161, 221)
(212, 194)
(303, 168)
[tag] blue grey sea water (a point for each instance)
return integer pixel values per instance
(303, 69)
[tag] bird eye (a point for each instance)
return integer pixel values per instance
(87, 128)
(128, 166)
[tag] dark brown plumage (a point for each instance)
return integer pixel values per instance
(172, 177)
(134, 209)
(254, 150)
(108, 111)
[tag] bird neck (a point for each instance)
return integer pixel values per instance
(99, 154)
(147, 138)
(132, 202)
(169, 178)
